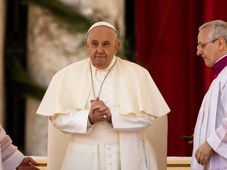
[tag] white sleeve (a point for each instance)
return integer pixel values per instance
(218, 140)
(11, 157)
(131, 122)
(73, 122)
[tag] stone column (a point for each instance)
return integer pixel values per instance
(2, 24)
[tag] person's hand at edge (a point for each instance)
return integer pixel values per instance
(28, 164)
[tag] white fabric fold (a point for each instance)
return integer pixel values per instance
(134, 93)
(211, 124)
(65, 93)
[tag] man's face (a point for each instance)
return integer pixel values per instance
(207, 48)
(102, 45)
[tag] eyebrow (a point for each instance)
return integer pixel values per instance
(106, 41)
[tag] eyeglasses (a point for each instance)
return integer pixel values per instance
(201, 46)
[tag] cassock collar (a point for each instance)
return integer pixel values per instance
(219, 65)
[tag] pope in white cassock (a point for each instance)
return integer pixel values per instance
(105, 103)
(210, 135)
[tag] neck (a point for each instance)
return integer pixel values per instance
(106, 68)
(100, 89)
(220, 64)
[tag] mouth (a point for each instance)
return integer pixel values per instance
(98, 56)
(204, 57)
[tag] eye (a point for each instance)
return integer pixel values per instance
(203, 45)
(94, 44)
(105, 44)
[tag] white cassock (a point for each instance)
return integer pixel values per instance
(211, 124)
(134, 102)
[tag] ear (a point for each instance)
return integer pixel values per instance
(117, 45)
(221, 43)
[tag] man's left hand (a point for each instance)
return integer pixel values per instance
(203, 153)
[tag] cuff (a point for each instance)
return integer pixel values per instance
(13, 161)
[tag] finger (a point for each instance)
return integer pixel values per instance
(103, 108)
(205, 160)
(33, 161)
(94, 103)
(97, 104)
(34, 168)
(97, 116)
(201, 160)
(108, 114)
(94, 109)
(197, 156)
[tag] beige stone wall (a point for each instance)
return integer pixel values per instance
(2, 20)
(50, 47)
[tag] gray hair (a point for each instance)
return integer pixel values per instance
(218, 29)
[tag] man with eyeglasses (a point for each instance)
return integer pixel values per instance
(210, 134)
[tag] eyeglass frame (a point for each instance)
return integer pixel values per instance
(201, 46)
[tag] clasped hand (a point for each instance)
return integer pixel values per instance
(99, 111)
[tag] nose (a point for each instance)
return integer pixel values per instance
(100, 49)
(199, 52)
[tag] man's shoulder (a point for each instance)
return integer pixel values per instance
(74, 68)
(131, 65)
(221, 80)
(223, 75)
(79, 63)
(75, 65)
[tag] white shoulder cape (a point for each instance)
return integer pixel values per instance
(70, 88)
(136, 91)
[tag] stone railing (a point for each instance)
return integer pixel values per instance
(173, 163)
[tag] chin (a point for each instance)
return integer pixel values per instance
(100, 66)
(208, 65)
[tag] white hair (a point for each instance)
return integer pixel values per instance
(218, 29)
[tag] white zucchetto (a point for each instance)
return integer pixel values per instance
(102, 23)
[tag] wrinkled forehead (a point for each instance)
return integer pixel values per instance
(204, 34)
(102, 23)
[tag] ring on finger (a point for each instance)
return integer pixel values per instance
(104, 116)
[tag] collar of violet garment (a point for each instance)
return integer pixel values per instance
(220, 64)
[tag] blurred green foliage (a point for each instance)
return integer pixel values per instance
(76, 22)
